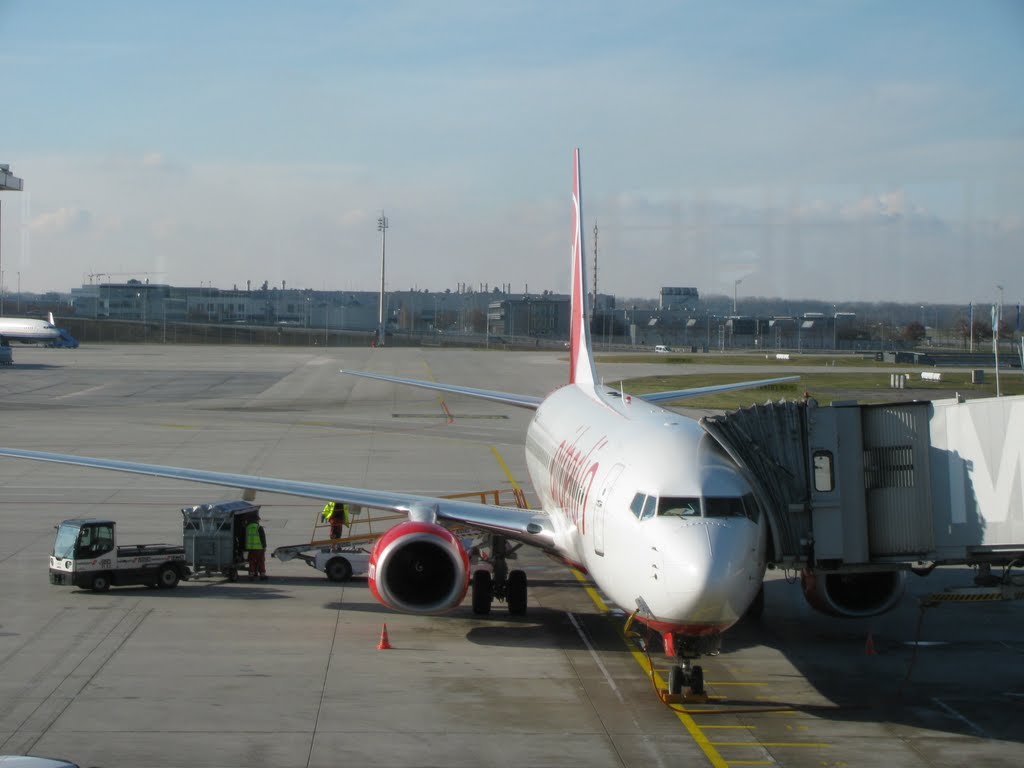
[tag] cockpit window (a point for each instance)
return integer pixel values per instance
(643, 506)
(637, 506)
(731, 506)
(724, 506)
(649, 507)
(678, 506)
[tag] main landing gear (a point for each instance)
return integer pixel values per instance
(499, 583)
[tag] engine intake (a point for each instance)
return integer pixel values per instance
(419, 568)
(853, 595)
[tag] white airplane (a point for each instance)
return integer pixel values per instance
(27, 330)
(639, 497)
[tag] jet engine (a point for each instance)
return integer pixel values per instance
(853, 595)
(419, 567)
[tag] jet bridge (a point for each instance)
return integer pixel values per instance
(852, 488)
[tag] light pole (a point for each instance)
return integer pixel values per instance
(997, 316)
(735, 286)
(8, 182)
(382, 227)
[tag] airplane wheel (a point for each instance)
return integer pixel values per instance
(100, 582)
(168, 577)
(675, 679)
(338, 569)
(232, 575)
(482, 593)
(516, 595)
(697, 680)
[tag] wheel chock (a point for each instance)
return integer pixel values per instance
(686, 697)
(669, 698)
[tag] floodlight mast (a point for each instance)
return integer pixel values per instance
(997, 319)
(8, 183)
(382, 227)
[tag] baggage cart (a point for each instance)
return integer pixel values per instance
(214, 537)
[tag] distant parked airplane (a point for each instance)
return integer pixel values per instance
(27, 330)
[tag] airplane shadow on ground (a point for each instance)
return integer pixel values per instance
(954, 668)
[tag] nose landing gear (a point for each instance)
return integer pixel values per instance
(686, 679)
(689, 676)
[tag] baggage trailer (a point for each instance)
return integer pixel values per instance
(86, 555)
(339, 561)
(213, 536)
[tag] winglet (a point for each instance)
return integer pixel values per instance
(52, 320)
(581, 361)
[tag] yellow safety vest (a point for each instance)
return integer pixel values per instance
(252, 537)
(329, 510)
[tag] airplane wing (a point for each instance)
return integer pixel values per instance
(681, 394)
(528, 526)
(521, 401)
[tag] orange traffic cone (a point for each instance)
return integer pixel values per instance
(869, 646)
(384, 643)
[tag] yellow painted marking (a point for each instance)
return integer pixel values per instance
(692, 728)
(729, 682)
(771, 743)
(601, 606)
(507, 471)
(707, 746)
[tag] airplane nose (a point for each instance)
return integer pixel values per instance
(713, 566)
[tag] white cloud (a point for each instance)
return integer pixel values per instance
(61, 221)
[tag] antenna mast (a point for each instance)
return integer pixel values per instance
(593, 303)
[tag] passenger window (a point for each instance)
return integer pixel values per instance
(676, 506)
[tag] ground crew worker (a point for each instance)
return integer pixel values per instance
(337, 514)
(256, 546)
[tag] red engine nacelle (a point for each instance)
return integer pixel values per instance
(853, 595)
(419, 568)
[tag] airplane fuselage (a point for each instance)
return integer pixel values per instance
(27, 330)
(646, 502)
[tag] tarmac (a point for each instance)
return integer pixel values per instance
(287, 672)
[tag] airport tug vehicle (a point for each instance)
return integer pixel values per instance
(86, 555)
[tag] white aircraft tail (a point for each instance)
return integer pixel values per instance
(581, 359)
(51, 320)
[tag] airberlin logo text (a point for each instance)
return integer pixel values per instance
(572, 477)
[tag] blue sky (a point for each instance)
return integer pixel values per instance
(832, 150)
